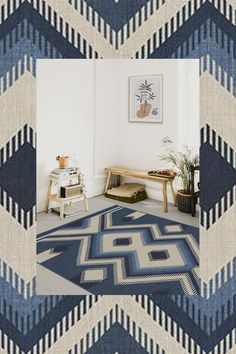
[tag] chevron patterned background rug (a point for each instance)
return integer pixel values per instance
(203, 29)
(123, 251)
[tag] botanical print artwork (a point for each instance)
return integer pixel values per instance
(145, 101)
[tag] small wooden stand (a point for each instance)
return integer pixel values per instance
(59, 181)
(115, 170)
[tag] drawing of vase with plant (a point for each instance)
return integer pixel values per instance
(145, 96)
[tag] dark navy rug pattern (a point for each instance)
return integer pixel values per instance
(123, 251)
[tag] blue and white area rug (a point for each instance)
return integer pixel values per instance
(123, 251)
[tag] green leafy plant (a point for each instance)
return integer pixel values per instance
(146, 92)
(182, 161)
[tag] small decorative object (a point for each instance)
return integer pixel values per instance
(71, 190)
(165, 172)
(183, 162)
(63, 161)
(145, 98)
(70, 187)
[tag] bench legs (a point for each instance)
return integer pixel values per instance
(173, 193)
(48, 195)
(165, 200)
(86, 204)
(62, 211)
(107, 182)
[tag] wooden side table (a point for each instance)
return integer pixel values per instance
(59, 181)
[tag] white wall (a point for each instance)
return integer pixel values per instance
(138, 145)
(82, 109)
(64, 117)
(188, 104)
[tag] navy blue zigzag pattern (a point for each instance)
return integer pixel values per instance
(224, 317)
(218, 180)
(18, 176)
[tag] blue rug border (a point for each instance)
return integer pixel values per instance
(107, 209)
(70, 222)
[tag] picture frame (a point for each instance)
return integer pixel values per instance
(146, 98)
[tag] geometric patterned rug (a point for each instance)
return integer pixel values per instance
(123, 251)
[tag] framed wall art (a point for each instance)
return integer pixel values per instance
(145, 98)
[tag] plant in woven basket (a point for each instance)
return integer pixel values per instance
(182, 161)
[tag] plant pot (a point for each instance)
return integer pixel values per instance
(63, 161)
(184, 202)
(144, 110)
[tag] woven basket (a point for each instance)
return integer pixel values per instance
(184, 202)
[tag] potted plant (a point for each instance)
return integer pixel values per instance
(182, 162)
(63, 161)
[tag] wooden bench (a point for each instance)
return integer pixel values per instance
(121, 171)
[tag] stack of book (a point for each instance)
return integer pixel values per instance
(62, 172)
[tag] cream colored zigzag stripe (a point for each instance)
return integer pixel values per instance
(148, 325)
(218, 108)
(17, 246)
(226, 343)
(80, 25)
(4, 3)
(10, 276)
(222, 276)
(80, 329)
(228, 340)
(134, 20)
(137, 39)
(19, 255)
(127, 306)
(8, 341)
(153, 24)
(13, 147)
(220, 240)
(97, 40)
(88, 11)
(220, 6)
(223, 202)
(105, 308)
(232, 2)
(218, 70)
(17, 106)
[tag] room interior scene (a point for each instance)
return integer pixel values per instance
(118, 176)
